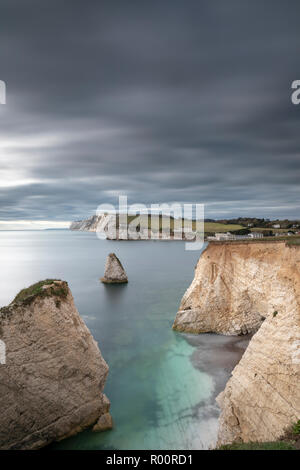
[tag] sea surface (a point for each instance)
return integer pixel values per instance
(162, 385)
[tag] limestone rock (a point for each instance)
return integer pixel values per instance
(236, 286)
(114, 271)
(51, 385)
(262, 398)
(88, 225)
(104, 423)
(241, 287)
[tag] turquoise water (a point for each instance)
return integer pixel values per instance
(162, 385)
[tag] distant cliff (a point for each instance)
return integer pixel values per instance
(135, 227)
(51, 386)
(89, 225)
(251, 287)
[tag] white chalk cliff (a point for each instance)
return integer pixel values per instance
(114, 227)
(251, 287)
(51, 385)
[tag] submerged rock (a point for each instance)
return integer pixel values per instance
(52, 381)
(114, 271)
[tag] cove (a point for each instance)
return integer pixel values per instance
(161, 384)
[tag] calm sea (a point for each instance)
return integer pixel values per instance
(162, 385)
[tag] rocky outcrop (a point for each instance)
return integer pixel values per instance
(114, 271)
(236, 286)
(245, 287)
(105, 421)
(52, 382)
(261, 401)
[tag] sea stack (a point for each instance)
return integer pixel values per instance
(51, 384)
(114, 271)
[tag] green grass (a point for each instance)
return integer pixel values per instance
(290, 441)
(265, 229)
(156, 223)
(278, 445)
(29, 293)
(296, 428)
(289, 241)
(216, 227)
(293, 241)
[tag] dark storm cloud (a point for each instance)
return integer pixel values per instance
(162, 101)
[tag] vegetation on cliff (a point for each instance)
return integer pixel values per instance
(53, 379)
(42, 288)
(290, 441)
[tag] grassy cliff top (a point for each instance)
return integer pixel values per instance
(56, 287)
(277, 445)
(46, 288)
(289, 241)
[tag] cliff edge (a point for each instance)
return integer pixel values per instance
(52, 381)
(248, 287)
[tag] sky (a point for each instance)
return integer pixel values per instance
(162, 101)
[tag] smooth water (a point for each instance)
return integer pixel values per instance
(162, 385)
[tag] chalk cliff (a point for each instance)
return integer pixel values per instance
(135, 227)
(87, 225)
(251, 287)
(52, 382)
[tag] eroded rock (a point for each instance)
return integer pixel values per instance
(51, 385)
(248, 287)
(114, 271)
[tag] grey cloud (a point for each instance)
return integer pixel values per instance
(166, 101)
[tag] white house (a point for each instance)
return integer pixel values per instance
(256, 235)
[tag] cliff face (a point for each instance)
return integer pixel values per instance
(241, 288)
(51, 385)
(88, 225)
(236, 286)
(136, 228)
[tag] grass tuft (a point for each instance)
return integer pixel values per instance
(277, 445)
(296, 428)
(28, 294)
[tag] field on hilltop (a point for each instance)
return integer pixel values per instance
(216, 227)
(260, 229)
(157, 222)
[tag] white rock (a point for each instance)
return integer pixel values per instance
(114, 271)
(240, 288)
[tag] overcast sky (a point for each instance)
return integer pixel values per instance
(162, 100)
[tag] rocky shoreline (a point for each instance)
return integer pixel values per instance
(242, 288)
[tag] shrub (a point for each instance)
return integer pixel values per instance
(296, 428)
